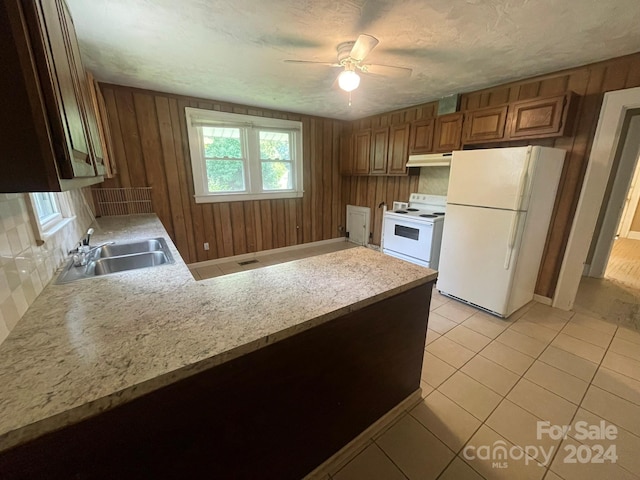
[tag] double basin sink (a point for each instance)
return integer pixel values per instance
(119, 257)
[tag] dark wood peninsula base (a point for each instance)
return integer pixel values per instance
(275, 413)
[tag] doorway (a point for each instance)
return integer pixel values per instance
(620, 109)
(612, 254)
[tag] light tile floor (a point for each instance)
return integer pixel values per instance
(487, 384)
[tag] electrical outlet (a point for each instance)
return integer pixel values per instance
(206, 245)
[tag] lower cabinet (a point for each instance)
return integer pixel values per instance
(275, 413)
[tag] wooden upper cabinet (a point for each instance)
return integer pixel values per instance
(379, 150)
(542, 117)
(361, 150)
(398, 149)
(448, 132)
(485, 124)
(421, 137)
(84, 91)
(48, 134)
(49, 31)
(346, 154)
(107, 165)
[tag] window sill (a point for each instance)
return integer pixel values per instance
(242, 197)
(56, 227)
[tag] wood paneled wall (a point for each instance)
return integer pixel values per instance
(372, 191)
(590, 82)
(151, 149)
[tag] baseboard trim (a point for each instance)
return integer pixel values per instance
(262, 253)
(543, 300)
(347, 453)
(633, 235)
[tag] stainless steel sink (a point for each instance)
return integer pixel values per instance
(143, 246)
(120, 257)
(104, 266)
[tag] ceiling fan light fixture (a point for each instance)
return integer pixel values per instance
(348, 80)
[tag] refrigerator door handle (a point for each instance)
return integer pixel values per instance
(513, 230)
(524, 177)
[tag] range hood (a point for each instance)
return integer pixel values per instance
(430, 160)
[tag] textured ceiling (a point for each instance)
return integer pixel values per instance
(233, 50)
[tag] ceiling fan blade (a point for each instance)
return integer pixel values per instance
(363, 46)
(330, 64)
(387, 70)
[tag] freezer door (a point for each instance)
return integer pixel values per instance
(495, 177)
(479, 255)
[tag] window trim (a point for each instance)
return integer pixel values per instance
(196, 117)
(43, 231)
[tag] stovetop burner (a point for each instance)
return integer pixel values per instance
(438, 213)
(400, 211)
(429, 215)
(412, 209)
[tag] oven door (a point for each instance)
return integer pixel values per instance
(409, 238)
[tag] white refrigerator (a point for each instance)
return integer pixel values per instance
(499, 207)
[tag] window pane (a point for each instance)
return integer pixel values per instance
(274, 145)
(276, 176)
(46, 206)
(225, 176)
(222, 142)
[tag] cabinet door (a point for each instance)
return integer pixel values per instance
(486, 124)
(90, 116)
(536, 118)
(398, 149)
(104, 130)
(421, 139)
(379, 150)
(448, 132)
(362, 147)
(61, 90)
(346, 154)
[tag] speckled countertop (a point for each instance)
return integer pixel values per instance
(90, 345)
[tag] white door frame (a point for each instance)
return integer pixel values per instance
(612, 115)
(632, 205)
(616, 200)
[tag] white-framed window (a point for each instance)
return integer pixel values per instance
(46, 208)
(243, 157)
(50, 212)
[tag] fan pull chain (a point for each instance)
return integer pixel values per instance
(349, 98)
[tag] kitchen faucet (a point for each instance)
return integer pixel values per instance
(83, 251)
(87, 237)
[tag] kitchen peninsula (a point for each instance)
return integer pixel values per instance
(258, 374)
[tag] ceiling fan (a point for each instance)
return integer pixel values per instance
(351, 56)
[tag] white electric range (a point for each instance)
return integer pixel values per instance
(413, 231)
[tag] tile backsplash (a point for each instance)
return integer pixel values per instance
(434, 180)
(25, 267)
